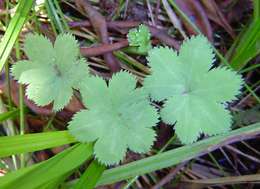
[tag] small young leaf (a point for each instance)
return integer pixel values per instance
(140, 37)
(51, 72)
(119, 116)
(194, 93)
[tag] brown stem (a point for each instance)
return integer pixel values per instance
(103, 49)
(100, 26)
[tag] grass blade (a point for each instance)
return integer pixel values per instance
(90, 177)
(247, 47)
(176, 156)
(32, 142)
(14, 29)
(42, 173)
(56, 16)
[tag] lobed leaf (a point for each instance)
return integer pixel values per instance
(117, 118)
(194, 94)
(52, 71)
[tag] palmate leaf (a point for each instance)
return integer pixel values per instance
(118, 117)
(51, 72)
(140, 37)
(195, 94)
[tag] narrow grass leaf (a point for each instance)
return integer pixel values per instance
(247, 47)
(42, 173)
(176, 156)
(10, 145)
(13, 30)
(173, 157)
(91, 176)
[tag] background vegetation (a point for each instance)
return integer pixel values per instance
(35, 142)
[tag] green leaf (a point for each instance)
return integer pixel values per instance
(117, 118)
(11, 145)
(195, 94)
(140, 37)
(42, 173)
(50, 71)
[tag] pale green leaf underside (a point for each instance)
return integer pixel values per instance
(194, 94)
(117, 118)
(51, 72)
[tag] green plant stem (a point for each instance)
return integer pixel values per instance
(7, 79)
(221, 57)
(22, 122)
(21, 105)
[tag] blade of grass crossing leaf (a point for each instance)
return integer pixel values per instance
(221, 57)
(33, 142)
(91, 176)
(13, 30)
(49, 170)
(176, 156)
